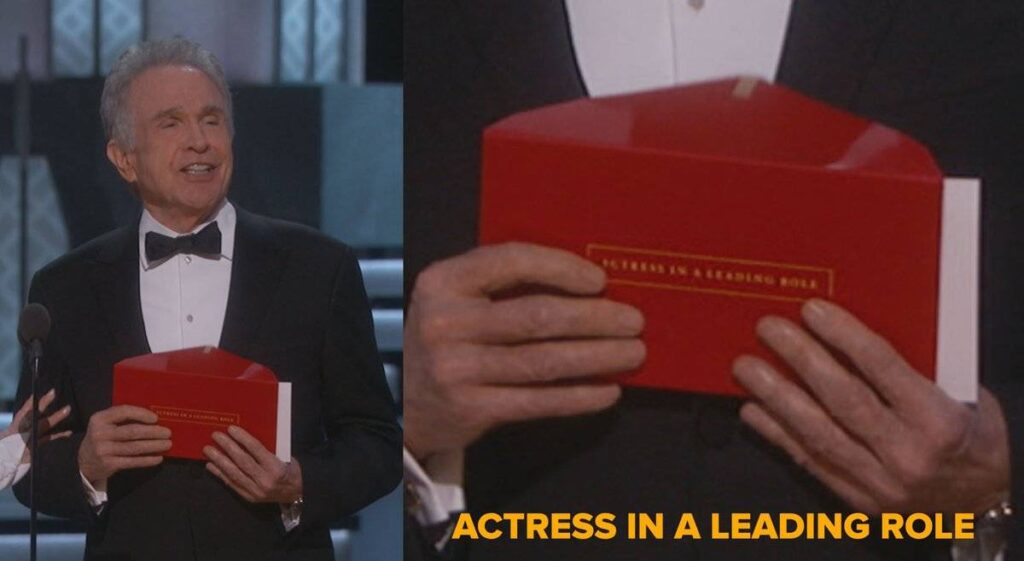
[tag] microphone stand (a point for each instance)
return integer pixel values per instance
(22, 141)
(35, 351)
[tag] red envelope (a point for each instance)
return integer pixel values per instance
(201, 390)
(710, 206)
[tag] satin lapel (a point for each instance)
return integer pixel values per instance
(832, 45)
(528, 43)
(115, 281)
(256, 271)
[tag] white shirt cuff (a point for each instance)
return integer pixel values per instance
(437, 485)
(290, 517)
(96, 498)
(12, 469)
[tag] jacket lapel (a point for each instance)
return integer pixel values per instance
(831, 47)
(528, 45)
(256, 271)
(115, 281)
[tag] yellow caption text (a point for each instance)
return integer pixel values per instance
(719, 526)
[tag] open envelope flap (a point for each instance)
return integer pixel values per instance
(737, 119)
(203, 361)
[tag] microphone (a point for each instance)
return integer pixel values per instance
(33, 329)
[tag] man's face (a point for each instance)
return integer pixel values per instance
(181, 162)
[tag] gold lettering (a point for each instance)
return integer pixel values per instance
(484, 531)
(464, 527)
(856, 526)
(791, 526)
(963, 526)
(514, 518)
(536, 526)
(652, 526)
(606, 526)
(687, 527)
(764, 527)
(716, 533)
(560, 525)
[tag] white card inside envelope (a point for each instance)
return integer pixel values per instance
(956, 363)
(284, 421)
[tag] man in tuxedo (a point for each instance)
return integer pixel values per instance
(195, 271)
(472, 361)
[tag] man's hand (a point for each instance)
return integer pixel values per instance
(880, 436)
(475, 359)
(121, 437)
(245, 465)
(22, 422)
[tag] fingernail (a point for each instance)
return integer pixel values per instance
(633, 355)
(66, 409)
(750, 372)
(770, 327)
(814, 310)
(632, 319)
(641, 353)
(596, 276)
(233, 430)
(740, 368)
(51, 392)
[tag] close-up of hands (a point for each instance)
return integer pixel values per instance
(255, 473)
(877, 433)
(118, 438)
(480, 354)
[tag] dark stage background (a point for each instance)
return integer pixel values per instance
(277, 153)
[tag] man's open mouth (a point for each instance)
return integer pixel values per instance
(198, 169)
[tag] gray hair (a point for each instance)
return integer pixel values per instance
(141, 57)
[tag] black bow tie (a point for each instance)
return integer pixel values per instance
(203, 242)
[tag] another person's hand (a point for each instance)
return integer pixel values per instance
(878, 434)
(118, 438)
(476, 358)
(252, 471)
(22, 422)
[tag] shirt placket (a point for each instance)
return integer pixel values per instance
(187, 315)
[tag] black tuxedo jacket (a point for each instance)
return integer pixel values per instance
(948, 73)
(297, 305)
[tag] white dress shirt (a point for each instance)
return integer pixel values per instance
(12, 448)
(437, 485)
(626, 46)
(184, 297)
(633, 45)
